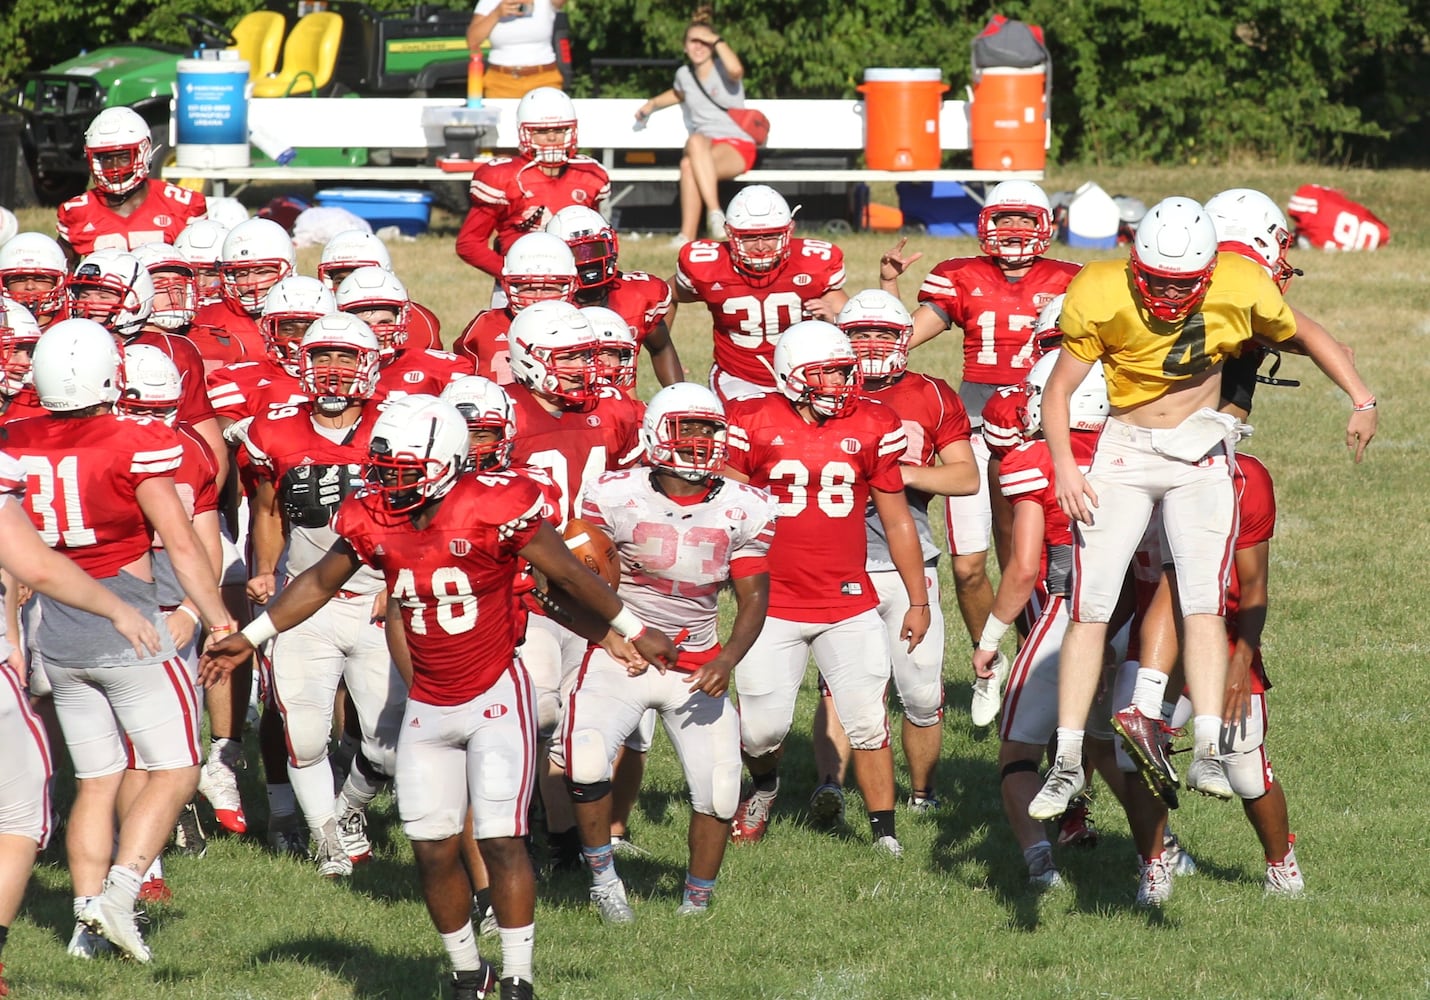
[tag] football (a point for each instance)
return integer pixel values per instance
(594, 548)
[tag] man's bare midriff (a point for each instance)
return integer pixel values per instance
(1180, 401)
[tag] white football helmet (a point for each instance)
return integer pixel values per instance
(876, 314)
(417, 450)
(115, 290)
(9, 225)
(759, 214)
(31, 256)
(151, 384)
(176, 296)
(1087, 406)
(376, 288)
(668, 441)
(1046, 332)
(348, 251)
(1022, 243)
(1250, 218)
(118, 148)
(553, 353)
(486, 407)
(76, 366)
(616, 348)
(816, 365)
(538, 267)
(228, 212)
(291, 306)
(19, 333)
(592, 241)
(1176, 242)
(546, 109)
(201, 242)
(256, 254)
(334, 386)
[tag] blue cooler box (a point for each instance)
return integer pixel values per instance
(944, 208)
(409, 211)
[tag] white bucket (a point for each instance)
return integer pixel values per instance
(211, 113)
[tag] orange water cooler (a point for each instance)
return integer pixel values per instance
(1008, 118)
(901, 112)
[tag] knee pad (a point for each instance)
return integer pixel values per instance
(376, 771)
(1249, 774)
(548, 714)
(306, 749)
(923, 705)
(724, 791)
(1017, 767)
(586, 760)
(593, 792)
(868, 734)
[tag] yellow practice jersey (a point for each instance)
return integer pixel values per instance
(1103, 320)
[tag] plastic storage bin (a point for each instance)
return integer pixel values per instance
(409, 211)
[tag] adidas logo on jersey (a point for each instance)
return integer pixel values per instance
(976, 291)
(777, 441)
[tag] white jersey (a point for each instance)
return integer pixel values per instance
(675, 557)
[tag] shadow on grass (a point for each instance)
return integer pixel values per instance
(372, 974)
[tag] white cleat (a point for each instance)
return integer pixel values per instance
(218, 783)
(333, 862)
(86, 944)
(889, 846)
(1042, 872)
(988, 694)
(1065, 782)
(1154, 885)
(611, 903)
(352, 832)
(1179, 862)
(120, 927)
(1208, 776)
(1284, 879)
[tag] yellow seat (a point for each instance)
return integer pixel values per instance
(260, 39)
(309, 56)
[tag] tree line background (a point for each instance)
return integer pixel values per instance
(1165, 81)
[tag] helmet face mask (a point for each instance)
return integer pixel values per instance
(1015, 226)
(759, 224)
(1173, 256)
(113, 289)
(546, 126)
(338, 362)
(416, 453)
(491, 421)
(118, 147)
(19, 333)
(34, 272)
(879, 329)
(553, 353)
(817, 367)
(151, 384)
(291, 306)
(256, 255)
(538, 267)
(380, 300)
(684, 432)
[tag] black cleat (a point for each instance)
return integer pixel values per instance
(474, 984)
(517, 989)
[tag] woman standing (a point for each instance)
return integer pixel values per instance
(708, 86)
(522, 56)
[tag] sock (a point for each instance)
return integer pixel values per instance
(698, 890)
(602, 862)
(1169, 709)
(80, 902)
(122, 886)
(461, 945)
(313, 787)
(881, 821)
(516, 945)
(482, 902)
(1206, 735)
(767, 784)
(1070, 745)
(1147, 692)
(1030, 854)
(225, 748)
(156, 870)
(281, 800)
(362, 784)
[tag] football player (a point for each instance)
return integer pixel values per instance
(641, 298)
(311, 455)
(378, 298)
(994, 299)
(201, 242)
(355, 248)
(682, 533)
(512, 195)
(33, 272)
(757, 284)
(125, 207)
(255, 256)
(81, 462)
(176, 290)
(878, 327)
(19, 333)
(825, 454)
(1161, 324)
(538, 268)
(449, 548)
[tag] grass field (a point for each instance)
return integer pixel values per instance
(809, 915)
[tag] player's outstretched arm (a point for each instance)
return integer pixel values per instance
(908, 557)
(26, 556)
(752, 604)
(314, 587)
(664, 358)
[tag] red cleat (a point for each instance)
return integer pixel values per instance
(155, 891)
(751, 819)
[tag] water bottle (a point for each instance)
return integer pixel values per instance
(475, 74)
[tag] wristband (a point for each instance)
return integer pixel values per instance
(190, 612)
(912, 606)
(259, 631)
(625, 624)
(1369, 404)
(993, 632)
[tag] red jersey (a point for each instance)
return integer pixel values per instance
(750, 314)
(81, 477)
(512, 196)
(194, 405)
(248, 388)
(1256, 511)
(575, 448)
(821, 475)
(996, 315)
(86, 223)
(424, 329)
(1026, 476)
(1003, 419)
(1327, 220)
(642, 299)
(195, 480)
(225, 334)
(415, 370)
(484, 343)
(453, 580)
(25, 403)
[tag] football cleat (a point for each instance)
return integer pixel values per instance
(1179, 862)
(890, 846)
(752, 818)
(1065, 781)
(1042, 871)
(988, 694)
(689, 909)
(86, 944)
(1284, 879)
(485, 919)
(611, 902)
(117, 925)
(352, 832)
(622, 847)
(826, 806)
(286, 836)
(1207, 775)
(513, 988)
(474, 984)
(332, 860)
(189, 833)
(153, 890)
(1154, 885)
(924, 804)
(1075, 828)
(219, 784)
(1144, 740)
